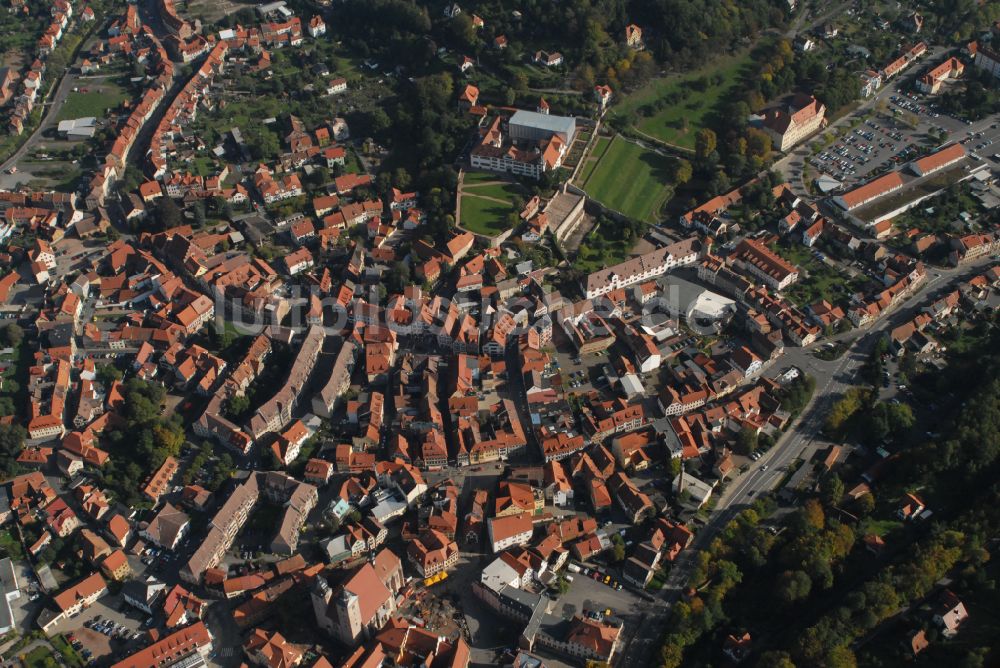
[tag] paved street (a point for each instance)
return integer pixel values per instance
(53, 103)
(833, 378)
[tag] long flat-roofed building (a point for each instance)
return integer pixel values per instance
(277, 411)
(324, 401)
(533, 126)
(222, 531)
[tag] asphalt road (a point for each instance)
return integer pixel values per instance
(55, 100)
(833, 378)
(54, 104)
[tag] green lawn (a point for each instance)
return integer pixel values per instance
(822, 281)
(589, 259)
(476, 178)
(482, 216)
(879, 527)
(630, 179)
(485, 216)
(203, 166)
(40, 657)
(352, 165)
(683, 102)
(600, 146)
(504, 191)
(95, 102)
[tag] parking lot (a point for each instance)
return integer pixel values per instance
(877, 145)
(586, 594)
(981, 144)
(890, 138)
(108, 627)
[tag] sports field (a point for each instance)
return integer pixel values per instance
(630, 179)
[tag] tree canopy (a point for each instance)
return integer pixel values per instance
(144, 442)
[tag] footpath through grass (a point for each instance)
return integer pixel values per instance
(487, 201)
(483, 216)
(630, 179)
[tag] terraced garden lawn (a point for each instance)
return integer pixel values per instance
(688, 101)
(505, 191)
(590, 259)
(40, 657)
(630, 179)
(473, 178)
(600, 146)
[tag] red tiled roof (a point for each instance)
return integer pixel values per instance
(938, 159)
(874, 188)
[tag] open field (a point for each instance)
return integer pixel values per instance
(95, 102)
(61, 176)
(629, 179)
(210, 11)
(880, 527)
(679, 105)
